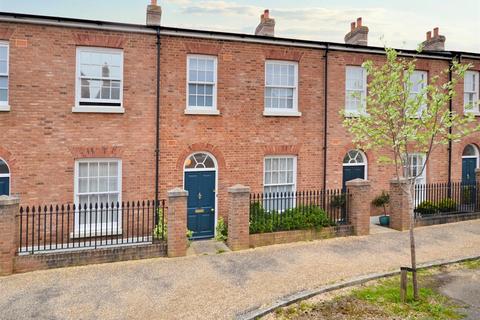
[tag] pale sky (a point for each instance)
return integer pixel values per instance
(399, 23)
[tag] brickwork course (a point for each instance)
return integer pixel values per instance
(45, 138)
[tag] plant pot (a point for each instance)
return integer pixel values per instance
(384, 220)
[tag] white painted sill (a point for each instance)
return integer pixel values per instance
(212, 112)
(271, 113)
(104, 232)
(97, 109)
(355, 114)
(5, 108)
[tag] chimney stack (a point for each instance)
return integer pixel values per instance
(358, 34)
(154, 14)
(435, 43)
(266, 27)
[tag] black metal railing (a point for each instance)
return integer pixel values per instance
(281, 211)
(435, 199)
(67, 227)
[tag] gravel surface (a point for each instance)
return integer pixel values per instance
(220, 286)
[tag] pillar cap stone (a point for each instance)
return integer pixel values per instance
(177, 192)
(477, 170)
(8, 200)
(357, 182)
(239, 188)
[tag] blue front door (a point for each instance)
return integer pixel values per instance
(201, 203)
(352, 172)
(4, 186)
(468, 170)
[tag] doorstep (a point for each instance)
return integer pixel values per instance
(207, 247)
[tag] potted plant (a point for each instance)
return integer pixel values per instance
(382, 201)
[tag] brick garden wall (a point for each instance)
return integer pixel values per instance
(26, 263)
(266, 239)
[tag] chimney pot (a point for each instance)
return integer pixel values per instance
(153, 2)
(266, 27)
(435, 43)
(358, 33)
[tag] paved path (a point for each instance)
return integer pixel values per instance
(463, 286)
(223, 285)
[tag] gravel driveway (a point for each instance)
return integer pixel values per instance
(224, 285)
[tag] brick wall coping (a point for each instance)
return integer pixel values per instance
(8, 201)
(477, 170)
(357, 182)
(177, 192)
(238, 188)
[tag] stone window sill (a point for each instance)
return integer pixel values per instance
(213, 112)
(270, 113)
(97, 109)
(5, 108)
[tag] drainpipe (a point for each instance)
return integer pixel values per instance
(325, 118)
(450, 108)
(157, 134)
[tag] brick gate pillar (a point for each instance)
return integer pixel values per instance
(359, 205)
(400, 208)
(177, 223)
(9, 207)
(477, 175)
(238, 217)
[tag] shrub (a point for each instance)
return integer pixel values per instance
(161, 227)
(299, 218)
(382, 201)
(426, 208)
(222, 230)
(338, 201)
(447, 205)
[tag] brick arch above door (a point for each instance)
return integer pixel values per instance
(199, 147)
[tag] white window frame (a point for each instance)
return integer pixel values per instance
(97, 108)
(291, 203)
(7, 175)
(294, 173)
(424, 173)
(282, 111)
(103, 228)
(363, 92)
(213, 110)
(475, 108)
(424, 84)
(4, 105)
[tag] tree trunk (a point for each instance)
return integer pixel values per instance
(412, 244)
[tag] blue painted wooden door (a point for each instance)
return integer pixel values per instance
(201, 203)
(4, 186)
(352, 172)
(468, 170)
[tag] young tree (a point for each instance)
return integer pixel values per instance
(403, 121)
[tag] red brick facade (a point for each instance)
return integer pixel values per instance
(42, 137)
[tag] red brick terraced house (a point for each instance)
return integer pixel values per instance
(79, 101)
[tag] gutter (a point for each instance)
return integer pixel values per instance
(450, 108)
(217, 35)
(325, 119)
